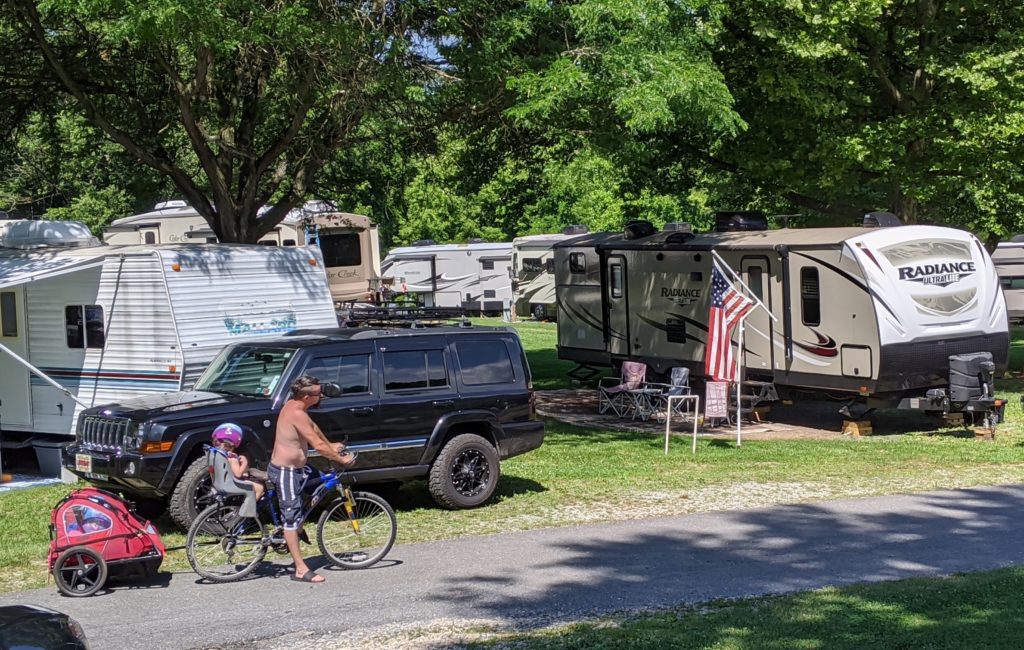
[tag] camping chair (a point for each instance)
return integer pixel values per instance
(679, 384)
(616, 397)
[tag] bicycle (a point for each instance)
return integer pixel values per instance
(355, 531)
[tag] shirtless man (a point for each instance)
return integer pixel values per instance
(296, 432)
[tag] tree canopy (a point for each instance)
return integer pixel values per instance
(491, 120)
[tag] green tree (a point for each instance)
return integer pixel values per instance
(915, 107)
(239, 104)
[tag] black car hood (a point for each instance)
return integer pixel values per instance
(172, 405)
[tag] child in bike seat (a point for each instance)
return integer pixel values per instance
(228, 438)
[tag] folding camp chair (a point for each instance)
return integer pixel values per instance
(679, 384)
(615, 396)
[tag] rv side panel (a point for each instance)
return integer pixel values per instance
(125, 346)
(224, 293)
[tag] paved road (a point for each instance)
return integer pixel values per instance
(571, 572)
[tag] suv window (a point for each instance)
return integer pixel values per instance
(410, 369)
(485, 362)
(351, 372)
(245, 371)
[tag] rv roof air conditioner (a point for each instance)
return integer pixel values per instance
(170, 205)
(424, 242)
(741, 220)
(637, 229)
(24, 234)
(677, 226)
(881, 220)
(575, 229)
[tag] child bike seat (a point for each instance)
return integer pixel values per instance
(226, 483)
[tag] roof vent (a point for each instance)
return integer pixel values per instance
(678, 226)
(637, 229)
(679, 237)
(476, 240)
(881, 220)
(575, 229)
(424, 242)
(741, 220)
(24, 234)
(171, 205)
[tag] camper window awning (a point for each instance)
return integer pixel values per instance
(25, 269)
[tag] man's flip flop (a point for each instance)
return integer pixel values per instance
(310, 576)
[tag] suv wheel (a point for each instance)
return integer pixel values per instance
(193, 492)
(465, 473)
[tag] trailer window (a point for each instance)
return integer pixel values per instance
(150, 237)
(341, 249)
(84, 326)
(288, 242)
(8, 314)
(490, 293)
(755, 279)
(351, 372)
(577, 263)
(267, 242)
(413, 369)
(487, 265)
(616, 280)
(810, 296)
(533, 264)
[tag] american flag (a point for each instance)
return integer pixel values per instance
(728, 306)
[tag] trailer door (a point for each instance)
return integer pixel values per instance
(759, 352)
(618, 306)
(15, 395)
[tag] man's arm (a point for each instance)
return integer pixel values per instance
(316, 439)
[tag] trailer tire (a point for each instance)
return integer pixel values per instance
(191, 494)
(465, 473)
(539, 312)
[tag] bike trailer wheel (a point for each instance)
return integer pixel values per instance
(80, 571)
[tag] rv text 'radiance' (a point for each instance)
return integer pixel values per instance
(940, 274)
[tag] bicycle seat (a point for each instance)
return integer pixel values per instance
(226, 483)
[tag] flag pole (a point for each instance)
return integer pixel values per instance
(739, 383)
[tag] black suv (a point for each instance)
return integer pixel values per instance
(443, 403)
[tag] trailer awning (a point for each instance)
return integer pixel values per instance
(24, 269)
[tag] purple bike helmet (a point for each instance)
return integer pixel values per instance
(228, 432)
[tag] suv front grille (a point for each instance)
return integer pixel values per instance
(108, 434)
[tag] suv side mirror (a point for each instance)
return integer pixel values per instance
(331, 390)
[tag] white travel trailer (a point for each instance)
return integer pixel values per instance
(533, 272)
(99, 323)
(895, 316)
(473, 276)
(1009, 260)
(349, 242)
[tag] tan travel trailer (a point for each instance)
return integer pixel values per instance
(533, 272)
(1009, 260)
(349, 242)
(898, 316)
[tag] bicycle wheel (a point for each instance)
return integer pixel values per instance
(359, 542)
(223, 546)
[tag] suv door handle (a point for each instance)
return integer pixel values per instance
(443, 403)
(361, 410)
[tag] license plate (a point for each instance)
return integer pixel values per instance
(83, 463)
(96, 477)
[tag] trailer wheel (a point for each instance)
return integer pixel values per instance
(192, 494)
(539, 312)
(79, 571)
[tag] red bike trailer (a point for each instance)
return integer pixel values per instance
(95, 534)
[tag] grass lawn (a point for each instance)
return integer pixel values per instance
(582, 475)
(981, 610)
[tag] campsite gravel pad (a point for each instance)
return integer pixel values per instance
(785, 421)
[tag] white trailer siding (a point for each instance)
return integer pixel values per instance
(141, 352)
(244, 293)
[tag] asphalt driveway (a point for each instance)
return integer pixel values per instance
(568, 573)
